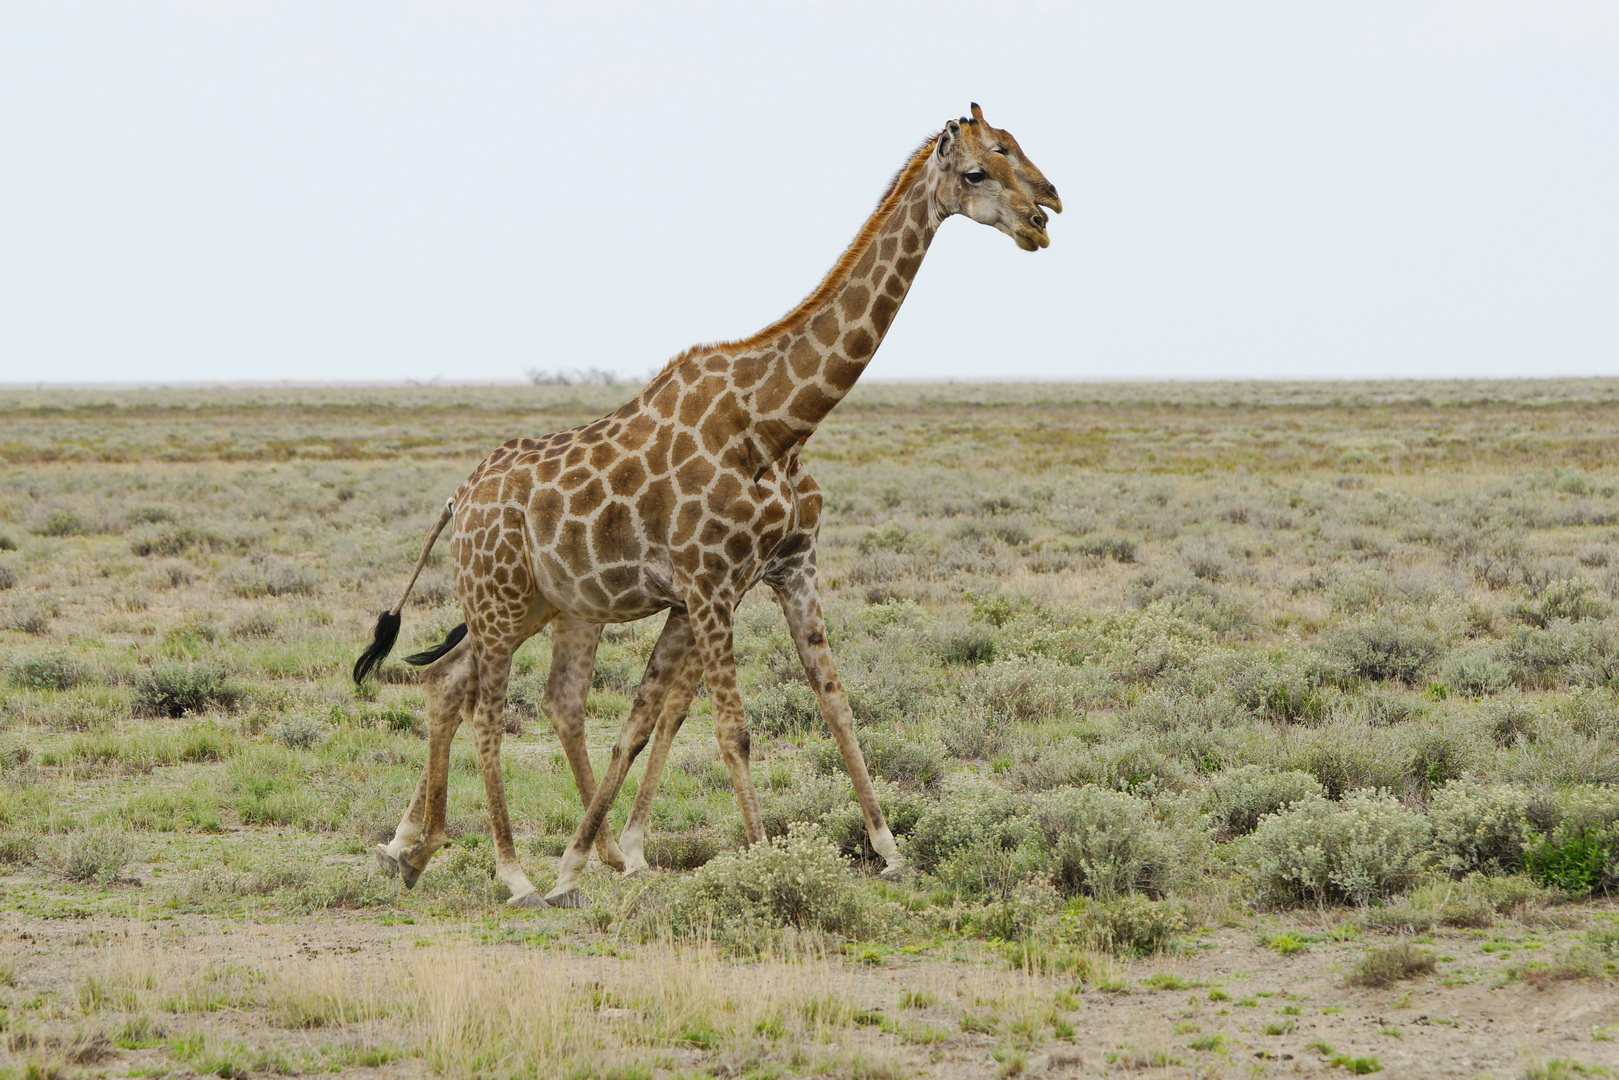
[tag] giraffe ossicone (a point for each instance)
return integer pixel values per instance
(682, 500)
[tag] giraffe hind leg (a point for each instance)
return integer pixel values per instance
(449, 686)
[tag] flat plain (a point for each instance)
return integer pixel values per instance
(1232, 729)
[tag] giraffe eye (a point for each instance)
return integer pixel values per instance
(977, 176)
(1001, 150)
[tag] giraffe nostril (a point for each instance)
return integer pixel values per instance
(1037, 219)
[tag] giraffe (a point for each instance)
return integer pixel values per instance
(573, 652)
(678, 501)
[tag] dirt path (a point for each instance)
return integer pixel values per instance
(1227, 1007)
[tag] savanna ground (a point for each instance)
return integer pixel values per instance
(1234, 730)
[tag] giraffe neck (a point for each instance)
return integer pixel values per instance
(774, 388)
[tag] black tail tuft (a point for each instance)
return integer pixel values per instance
(382, 643)
(427, 657)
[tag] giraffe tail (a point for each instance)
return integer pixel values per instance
(387, 631)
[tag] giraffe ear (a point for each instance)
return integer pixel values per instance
(947, 139)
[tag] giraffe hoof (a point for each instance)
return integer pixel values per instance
(386, 862)
(573, 898)
(897, 872)
(408, 873)
(528, 900)
(636, 867)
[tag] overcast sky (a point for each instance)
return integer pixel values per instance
(467, 189)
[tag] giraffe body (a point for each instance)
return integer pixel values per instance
(683, 499)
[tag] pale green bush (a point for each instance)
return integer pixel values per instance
(1482, 827)
(1104, 843)
(787, 708)
(1366, 846)
(1284, 686)
(1128, 925)
(1346, 756)
(795, 881)
(56, 669)
(904, 759)
(93, 857)
(1383, 650)
(1026, 689)
(984, 816)
(1238, 799)
(174, 690)
(1475, 672)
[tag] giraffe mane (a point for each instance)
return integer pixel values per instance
(835, 277)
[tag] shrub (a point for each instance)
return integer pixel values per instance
(18, 850)
(807, 800)
(29, 618)
(985, 870)
(796, 882)
(1471, 903)
(684, 850)
(1364, 847)
(1346, 757)
(788, 708)
(1103, 843)
(265, 577)
(1388, 964)
(1577, 861)
(1026, 689)
(1238, 799)
(1139, 766)
(175, 690)
(151, 514)
(968, 645)
(299, 733)
(1475, 672)
(253, 625)
(1436, 755)
(1282, 688)
(974, 734)
(93, 857)
(63, 523)
(1384, 650)
(56, 669)
(1480, 827)
(8, 576)
(980, 817)
(1118, 548)
(167, 539)
(1127, 925)
(1510, 722)
(892, 756)
(1565, 598)
(1015, 916)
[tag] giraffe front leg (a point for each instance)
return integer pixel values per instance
(573, 659)
(801, 603)
(670, 717)
(668, 657)
(712, 626)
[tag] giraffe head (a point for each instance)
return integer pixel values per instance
(985, 175)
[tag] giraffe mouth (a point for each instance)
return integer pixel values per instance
(1031, 239)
